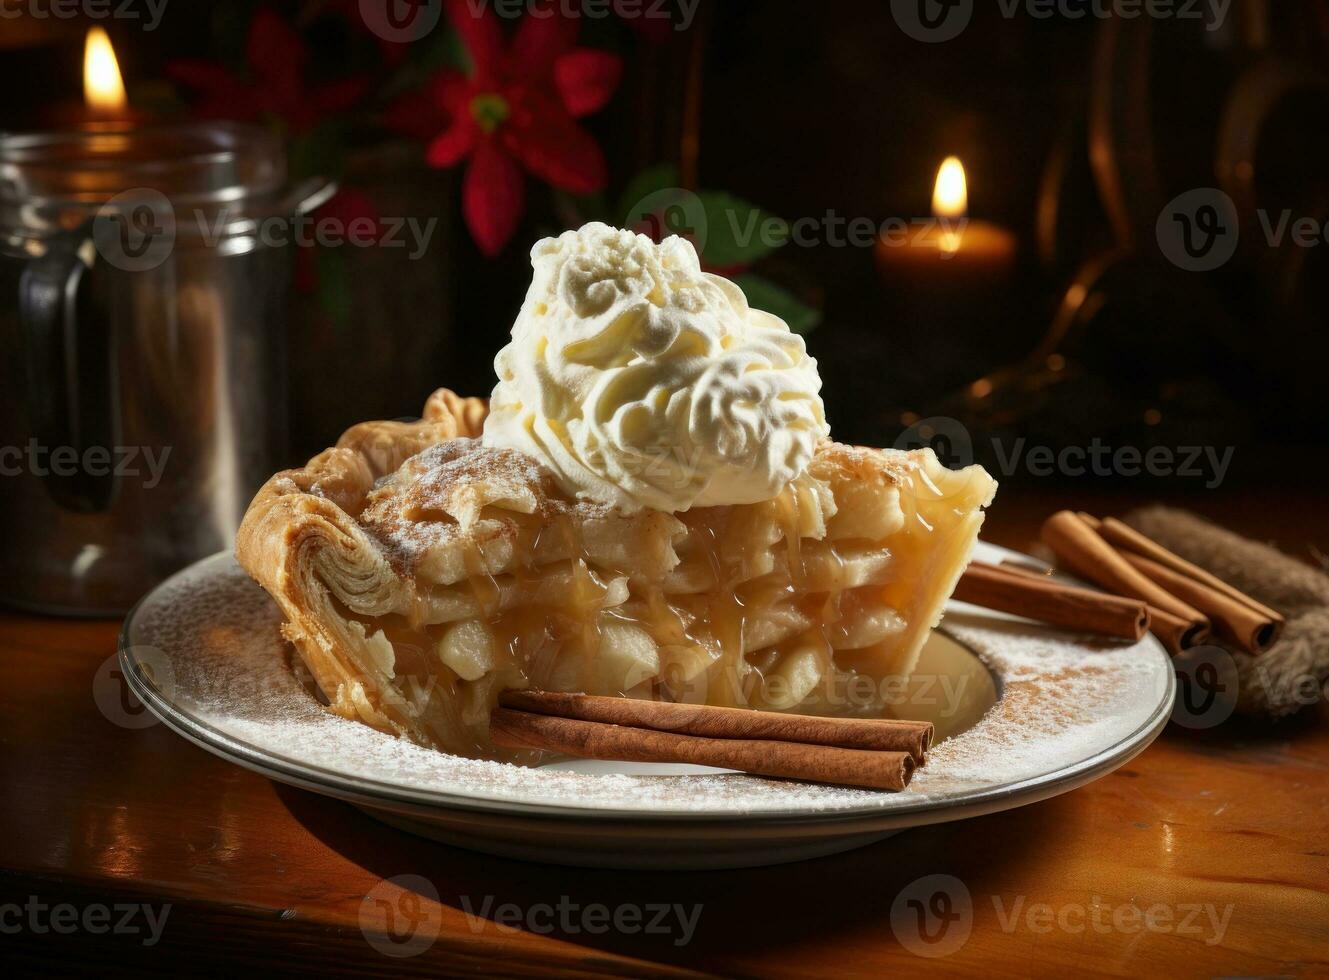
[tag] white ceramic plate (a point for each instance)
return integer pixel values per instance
(1023, 712)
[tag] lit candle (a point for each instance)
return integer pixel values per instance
(111, 278)
(105, 104)
(103, 87)
(951, 247)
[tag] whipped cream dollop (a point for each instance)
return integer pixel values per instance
(642, 381)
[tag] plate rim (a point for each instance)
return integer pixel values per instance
(370, 792)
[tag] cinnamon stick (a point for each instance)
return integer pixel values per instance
(1079, 547)
(1125, 538)
(1234, 621)
(1040, 598)
(707, 721)
(1025, 571)
(790, 760)
(1176, 634)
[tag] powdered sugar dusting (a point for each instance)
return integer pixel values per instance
(436, 497)
(210, 640)
(1064, 698)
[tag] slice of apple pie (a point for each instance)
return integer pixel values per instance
(649, 505)
(422, 572)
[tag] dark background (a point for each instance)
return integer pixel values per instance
(1073, 131)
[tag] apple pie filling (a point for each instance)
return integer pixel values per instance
(422, 573)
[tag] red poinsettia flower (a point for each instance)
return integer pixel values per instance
(274, 86)
(518, 109)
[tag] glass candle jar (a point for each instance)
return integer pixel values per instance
(142, 313)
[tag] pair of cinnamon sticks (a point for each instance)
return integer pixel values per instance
(1187, 603)
(1029, 593)
(879, 754)
(1150, 588)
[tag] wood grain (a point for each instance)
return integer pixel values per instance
(266, 877)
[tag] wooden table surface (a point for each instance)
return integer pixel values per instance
(1207, 855)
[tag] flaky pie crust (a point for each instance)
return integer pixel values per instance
(365, 596)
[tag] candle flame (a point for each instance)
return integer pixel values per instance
(103, 88)
(950, 199)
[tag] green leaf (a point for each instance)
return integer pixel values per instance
(158, 98)
(575, 210)
(737, 231)
(765, 295)
(452, 53)
(652, 180)
(730, 230)
(320, 152)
